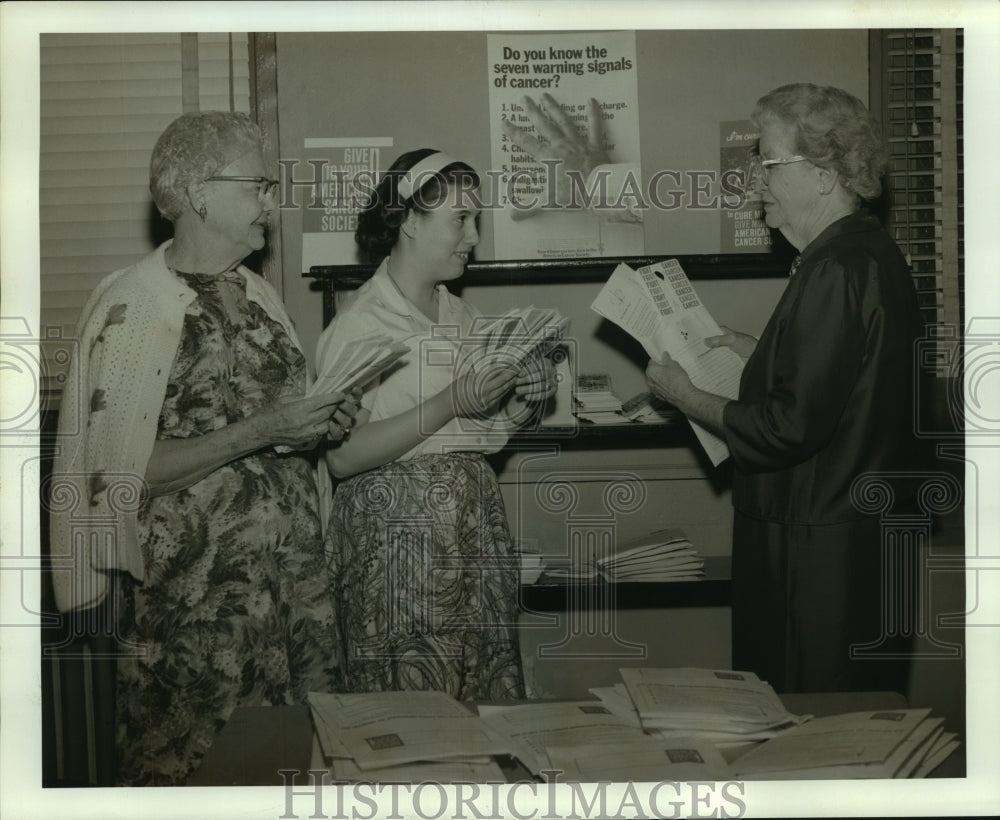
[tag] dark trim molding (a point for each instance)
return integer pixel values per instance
(264, 104)
(332, 278)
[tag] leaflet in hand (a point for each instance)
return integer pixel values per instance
(357, 363)
(658, 307)
(510, 339)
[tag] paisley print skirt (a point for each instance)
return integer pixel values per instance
(426, 580)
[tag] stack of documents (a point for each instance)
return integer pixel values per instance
(893, 743)
(723, 707)
(658, 307)
(404, 737)
(357, 363)
(645, 407)
(617, 700)
(585, 741)
(560, 570)
(644, 760)
(664, 555)
(661, 556)
(595, 401)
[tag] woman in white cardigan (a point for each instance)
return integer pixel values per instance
(189, 450)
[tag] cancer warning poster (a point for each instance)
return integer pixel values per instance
(591, 77)
(741, 228)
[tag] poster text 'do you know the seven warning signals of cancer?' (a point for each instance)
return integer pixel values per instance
(542, 219)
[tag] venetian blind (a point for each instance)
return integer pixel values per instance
(105, 98)
(922, 107)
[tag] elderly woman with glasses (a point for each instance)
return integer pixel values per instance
(826, 397)
(188, 441)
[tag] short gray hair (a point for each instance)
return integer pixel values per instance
(193, 147)
(833, 129)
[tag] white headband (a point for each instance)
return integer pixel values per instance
(415, 177)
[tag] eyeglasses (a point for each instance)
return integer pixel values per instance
(265, 187)
(760, 168)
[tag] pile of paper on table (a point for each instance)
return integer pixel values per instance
(585, 741)
(405, 737)
(895, 743)
(664, 555)
(723, 707)
(595, 401)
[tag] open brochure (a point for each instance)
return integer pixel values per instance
(659, 308)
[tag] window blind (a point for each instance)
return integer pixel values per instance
(105, 98)
(922, 110)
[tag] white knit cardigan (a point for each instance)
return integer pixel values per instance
(128, 336)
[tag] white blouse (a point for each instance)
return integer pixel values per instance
(429, 367)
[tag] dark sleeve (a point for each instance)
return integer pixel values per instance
(812, 367)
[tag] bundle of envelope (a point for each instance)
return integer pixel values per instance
(357, 363)
(404, 737)
(664, 555)
(511, 339)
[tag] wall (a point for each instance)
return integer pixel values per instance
(429, 89)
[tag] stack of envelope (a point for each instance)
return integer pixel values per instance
(357, 363)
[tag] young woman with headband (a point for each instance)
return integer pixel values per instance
(422, 558)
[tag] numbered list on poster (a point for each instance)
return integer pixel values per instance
(572, 69)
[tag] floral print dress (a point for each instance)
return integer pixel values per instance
(235, 609)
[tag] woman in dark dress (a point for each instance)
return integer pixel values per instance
(826, 398)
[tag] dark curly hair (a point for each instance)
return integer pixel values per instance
(833, 129)
(380, 220)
